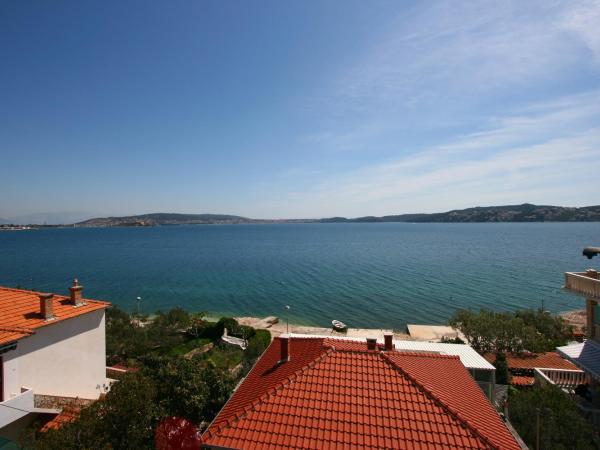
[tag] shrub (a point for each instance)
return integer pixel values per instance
(489, 331)
(502, 374)
(560, 424)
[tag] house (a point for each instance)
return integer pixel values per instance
(586, 355)
(52, 353)
(523, 366)
(482, 371)
(318, 392)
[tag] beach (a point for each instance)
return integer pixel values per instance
(280, 328)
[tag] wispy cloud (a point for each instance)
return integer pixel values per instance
(455, 104)
(440, 63)
(548, 149)
(474, 47)
(582, 20)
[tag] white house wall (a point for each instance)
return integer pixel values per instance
(65, 358)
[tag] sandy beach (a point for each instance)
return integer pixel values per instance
(280, 327)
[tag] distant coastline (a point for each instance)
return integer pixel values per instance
(508, 213)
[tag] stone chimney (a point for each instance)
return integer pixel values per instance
(388, 342)
(371, 344)
(76, 291)
(284, 343)
(46, 306)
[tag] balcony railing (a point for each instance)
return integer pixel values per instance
(583, 284)
(567, 380)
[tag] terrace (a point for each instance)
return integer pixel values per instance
(575, 383)
(567, 380)
(583, 283)
(19, 405)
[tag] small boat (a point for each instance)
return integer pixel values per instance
(339, 326)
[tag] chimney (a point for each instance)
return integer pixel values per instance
(284, 342)
(371, 344)
(592, 273)
(46, 306)
(388, 342)
(76, 290)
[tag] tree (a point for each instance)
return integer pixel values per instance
(489, 331)
(551, 331)
(188, 389)
(561, 426)
(175, 319)
(124, 419)
(502, 374)
(197, 324)
(129, 415)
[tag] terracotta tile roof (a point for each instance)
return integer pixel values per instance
(548, 360)
(67, 415)
(337, 394)
(522, 380)
(20, 312)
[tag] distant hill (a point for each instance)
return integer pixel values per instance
(162, 219)
(510, 213)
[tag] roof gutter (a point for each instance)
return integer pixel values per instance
(8, 347)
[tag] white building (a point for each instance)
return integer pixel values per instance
(52, 352)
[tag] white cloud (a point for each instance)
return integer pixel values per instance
(582, 20)
(547, 149)
(472, 47)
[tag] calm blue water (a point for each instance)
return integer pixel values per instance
(376, 275)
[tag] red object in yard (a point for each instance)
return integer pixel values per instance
(177, 433)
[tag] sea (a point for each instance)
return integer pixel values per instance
(379, 275)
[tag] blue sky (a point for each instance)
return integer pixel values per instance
(297, 109)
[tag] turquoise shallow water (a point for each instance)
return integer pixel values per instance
(371, 275)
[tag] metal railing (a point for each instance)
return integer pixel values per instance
(565, 379)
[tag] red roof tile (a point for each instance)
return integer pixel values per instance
(522, 380)
(337, 394)
(67, 415)
(20, 312)
(548, 360)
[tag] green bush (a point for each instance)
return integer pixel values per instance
(561, 426)
(490, 331)
(502, 374)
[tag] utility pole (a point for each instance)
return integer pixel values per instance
(537, 429)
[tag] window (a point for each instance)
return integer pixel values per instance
(595, 313)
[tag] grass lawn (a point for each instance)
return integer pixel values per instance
(187, 346)
(225, 356)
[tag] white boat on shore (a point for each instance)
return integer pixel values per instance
(339, 326)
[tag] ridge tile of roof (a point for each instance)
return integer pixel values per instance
(20, 312)
(339, 394)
